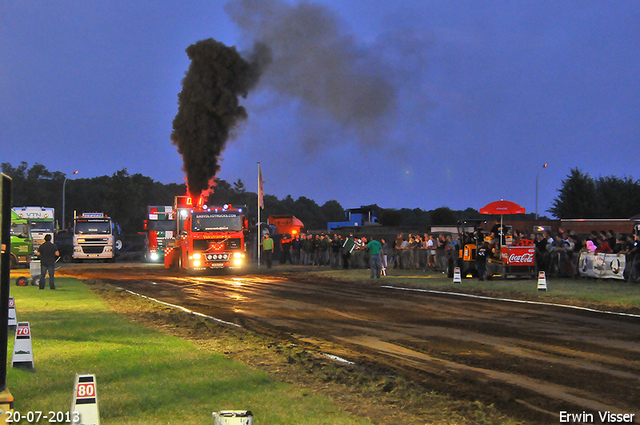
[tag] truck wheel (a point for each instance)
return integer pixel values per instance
(22, 281)
(66, 258)
(118, 244)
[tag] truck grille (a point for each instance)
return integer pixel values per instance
(216, 245)
(92, 249)
(201, 244)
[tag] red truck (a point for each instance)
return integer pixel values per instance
(206, 237)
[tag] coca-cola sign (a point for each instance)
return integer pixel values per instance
(526, 258)
(518, 256)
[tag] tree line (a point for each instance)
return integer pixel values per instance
(582, 196)
(125, 197)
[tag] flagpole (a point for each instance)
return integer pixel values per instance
(259, 195)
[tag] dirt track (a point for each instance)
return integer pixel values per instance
(530, 360)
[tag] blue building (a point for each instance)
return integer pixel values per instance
(354, 217)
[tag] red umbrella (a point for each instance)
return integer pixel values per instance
(502, 207)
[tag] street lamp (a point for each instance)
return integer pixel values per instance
(537, 179)
(64, 199)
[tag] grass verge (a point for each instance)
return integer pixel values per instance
(143, 376)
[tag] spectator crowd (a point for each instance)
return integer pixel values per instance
(558, 255)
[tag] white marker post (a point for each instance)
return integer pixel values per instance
(22, 348)
(233, 417)
(542, 281)
(84, 409)
(457, 276)
(12, 322)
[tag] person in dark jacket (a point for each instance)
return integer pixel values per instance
(336, 244)
(484, 252)
(48, 252)
(296, 244)
(307, 249)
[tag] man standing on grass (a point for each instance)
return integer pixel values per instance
(375, 257)
(48, 252)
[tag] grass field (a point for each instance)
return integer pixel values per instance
(143, 376)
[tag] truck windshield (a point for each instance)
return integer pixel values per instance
(210, 222)
(161, 225)
(42, 227)
(19, 230)
(90, 226)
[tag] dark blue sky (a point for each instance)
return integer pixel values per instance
(404, 104)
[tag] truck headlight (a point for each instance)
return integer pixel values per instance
(237, 261)
(154, 256)
(238, 255)
(196, 263)
(196, 256)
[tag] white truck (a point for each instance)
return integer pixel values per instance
(41, 220)
(93, 237)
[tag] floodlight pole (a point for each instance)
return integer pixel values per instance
(537, 180)
(64, 200)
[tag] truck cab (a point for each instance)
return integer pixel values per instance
(21, 241)
(93, 237)
(207, 237)
(41, 222)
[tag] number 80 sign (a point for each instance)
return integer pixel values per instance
(87, 390)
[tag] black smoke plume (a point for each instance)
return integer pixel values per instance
(209, 106)
(317, 62)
